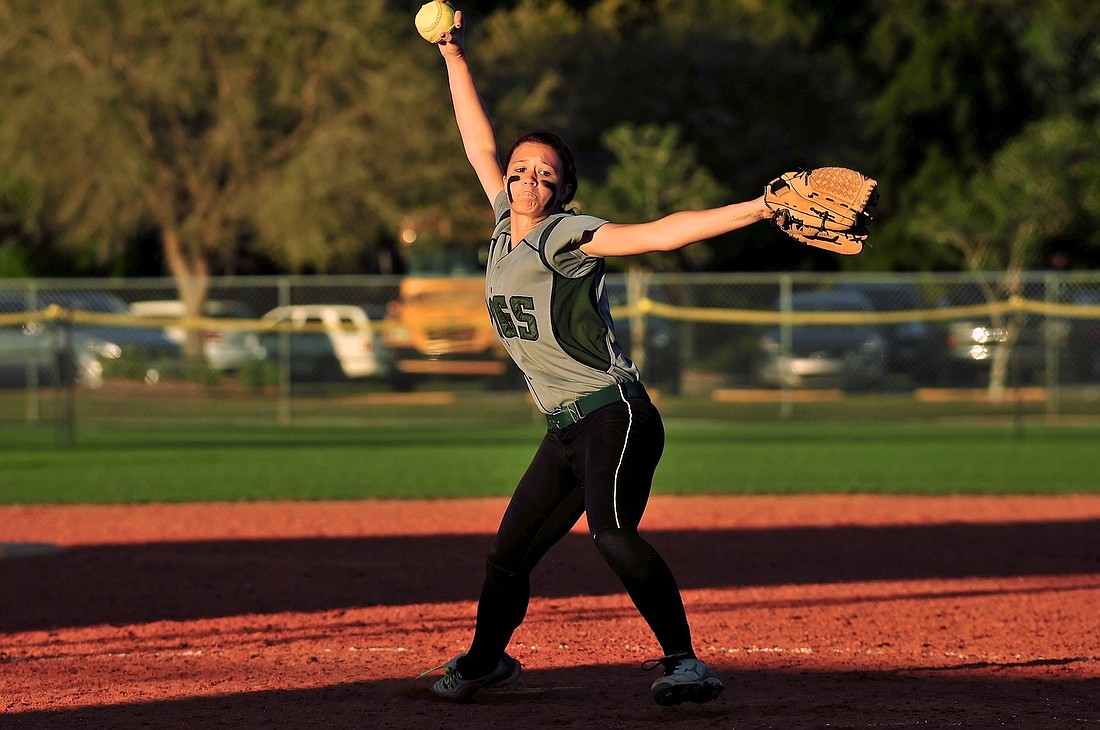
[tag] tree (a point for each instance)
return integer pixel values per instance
(308, 134)
(654, 173)
(26, 235)
(215, 123)
(957, 83)
(13, 234)
(744, 94)
(1035, 188)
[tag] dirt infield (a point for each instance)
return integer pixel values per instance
(817, 612)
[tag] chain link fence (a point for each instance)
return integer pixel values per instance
(335, 349)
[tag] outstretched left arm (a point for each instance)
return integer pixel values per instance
(673, 231)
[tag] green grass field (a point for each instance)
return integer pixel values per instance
(152, 464)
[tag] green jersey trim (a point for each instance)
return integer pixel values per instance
(578, 327)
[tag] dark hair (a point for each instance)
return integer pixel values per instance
(556, 143)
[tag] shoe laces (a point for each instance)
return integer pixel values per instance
(669, 662)
(450, 678)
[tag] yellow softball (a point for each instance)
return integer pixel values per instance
(434, 20)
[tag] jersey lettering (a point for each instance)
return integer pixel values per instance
(523, 309)
(514, 317)
(498, 308)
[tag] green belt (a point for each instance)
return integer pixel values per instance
(570, 413)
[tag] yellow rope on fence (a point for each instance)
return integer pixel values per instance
(644, 307)
(76, 316)
(714, 315)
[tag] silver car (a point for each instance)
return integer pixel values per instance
(224, 348)
(34, 351)
(824, 356)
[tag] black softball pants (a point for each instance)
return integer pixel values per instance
(601, 466)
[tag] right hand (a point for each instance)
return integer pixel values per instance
(450, 45)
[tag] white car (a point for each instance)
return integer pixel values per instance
(325, 341)
(224, 348)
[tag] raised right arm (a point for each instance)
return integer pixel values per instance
(474, 125)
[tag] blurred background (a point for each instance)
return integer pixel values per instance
(267, 204)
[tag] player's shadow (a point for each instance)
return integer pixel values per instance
(617, 695)
(133, 583)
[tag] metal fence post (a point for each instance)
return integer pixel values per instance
(34, 392)
(786, 399)
(1052, 350)
(284, 296)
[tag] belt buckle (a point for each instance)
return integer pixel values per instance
(566, 415)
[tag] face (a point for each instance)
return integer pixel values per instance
(534, 180)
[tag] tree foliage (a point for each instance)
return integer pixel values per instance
(974, 84)
(310, 135)
(749, 110)
(654, 174)
(218, 124)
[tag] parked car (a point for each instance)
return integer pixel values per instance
(973, 342)
(848, 356)
(136, 342)
(34, 352)
(326, 342)
(1082, 352)
(224, 349)
(916, 348)
(92, 342)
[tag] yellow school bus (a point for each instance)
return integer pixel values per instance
(439, 324)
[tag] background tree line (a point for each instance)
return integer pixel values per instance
(253, 136)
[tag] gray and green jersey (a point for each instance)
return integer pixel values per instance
(547, 300)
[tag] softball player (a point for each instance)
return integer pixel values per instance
(544, 288)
